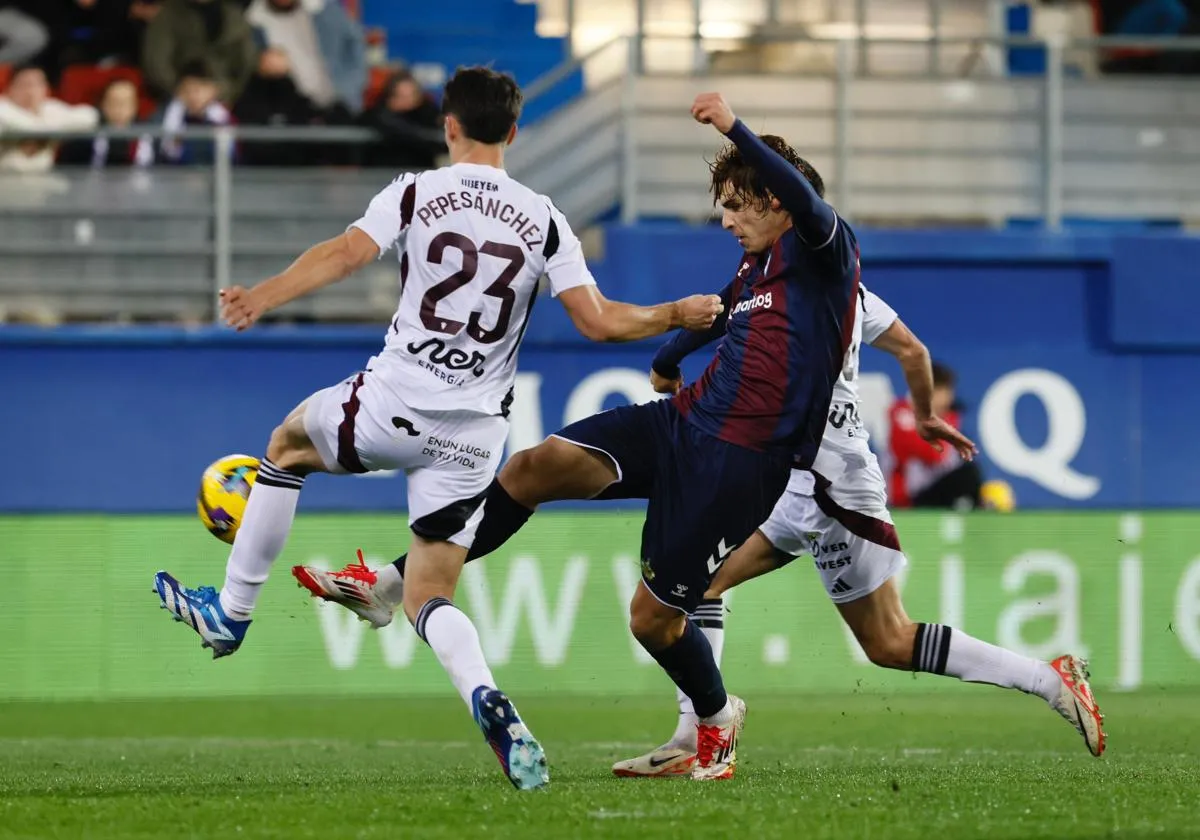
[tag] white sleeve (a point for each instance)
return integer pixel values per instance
(877, 316)
(384, 221)
(565, 267)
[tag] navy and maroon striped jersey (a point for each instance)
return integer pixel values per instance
(790, 316)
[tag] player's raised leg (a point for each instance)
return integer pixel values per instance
(222, 619)
(553, 470)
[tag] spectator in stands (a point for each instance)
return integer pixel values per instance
(410, 123)
(272, 98)
(23, 36)
(923, 476)
(1150, 18)
(326, 48)
(29, 107)
(109, 31)
(196, 105)
(211, 31)
(118, 109)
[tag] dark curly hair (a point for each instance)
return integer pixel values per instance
(744, 183)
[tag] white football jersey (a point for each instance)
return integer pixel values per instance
(844, 423)
(844, 456)
(473, 245)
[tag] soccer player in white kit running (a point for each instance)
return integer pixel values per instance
(473, 245)
(837, 513)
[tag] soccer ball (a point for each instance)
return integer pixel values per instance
(224, 489)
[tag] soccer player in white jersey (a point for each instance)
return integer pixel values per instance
(837, 513)
(473, 245)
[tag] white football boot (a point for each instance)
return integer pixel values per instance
(353, 587)
(669, 760)
(1076, 703)
(716, 746)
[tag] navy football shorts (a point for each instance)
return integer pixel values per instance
(705, 496)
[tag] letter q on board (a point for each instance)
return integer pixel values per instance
(1049, 465)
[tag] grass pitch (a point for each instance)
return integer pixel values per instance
(980, 763)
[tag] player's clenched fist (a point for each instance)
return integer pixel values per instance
(712, 109)
(239, 309)
(699, 311)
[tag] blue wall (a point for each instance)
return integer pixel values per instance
(1076, 356)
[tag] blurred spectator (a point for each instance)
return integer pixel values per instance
(87, 31)
(922, 476)
(196, 105)
(22, 36)
(118, 109)
(326, 48)
(211, 31)
(28, 107)
(1150, 18)
(109, 31)
(272, 98)
(410, 123)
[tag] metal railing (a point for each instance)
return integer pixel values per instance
(621, 131)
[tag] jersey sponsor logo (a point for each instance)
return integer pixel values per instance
(830, 548)
(762, 301)
(838, 563)
(455, 451)
(842, 413)
(450, 358)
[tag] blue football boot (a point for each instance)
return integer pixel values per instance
(520, 754)
(201, 610)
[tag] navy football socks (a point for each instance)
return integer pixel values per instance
(690, 663)
(503, 516)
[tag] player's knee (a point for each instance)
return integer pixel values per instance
(290, 449)
(529, 473)
(654, 632)
(887, 649)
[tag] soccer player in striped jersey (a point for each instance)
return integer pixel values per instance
(837, 513)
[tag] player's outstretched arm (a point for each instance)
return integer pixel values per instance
(685, 342)
(599, 319)
(898, 340)
(319, 266)
(812, 217)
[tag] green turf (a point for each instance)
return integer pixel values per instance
(976, 764)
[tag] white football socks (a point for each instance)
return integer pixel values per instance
(389, 585)
(685, 727)
(944, 650)
(260, 538)
(455, 642)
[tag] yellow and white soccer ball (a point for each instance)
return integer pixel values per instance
(224, 489)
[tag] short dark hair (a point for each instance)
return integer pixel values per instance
(487, 103)
(943, 376)
(731, 169)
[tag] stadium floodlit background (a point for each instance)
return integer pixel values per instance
(1023, 177)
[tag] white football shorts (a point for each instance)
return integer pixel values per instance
(854, 551)
(450, 457)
